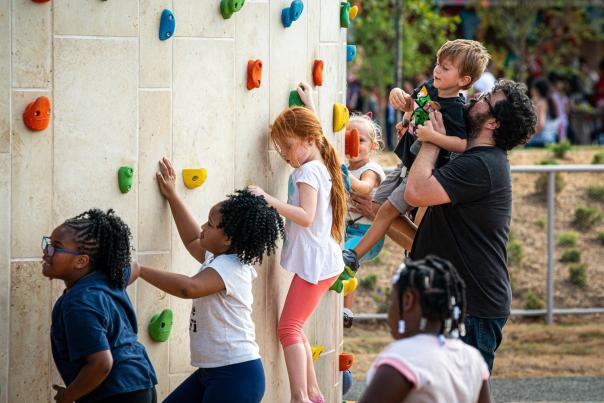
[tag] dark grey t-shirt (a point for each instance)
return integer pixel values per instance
(472, 231)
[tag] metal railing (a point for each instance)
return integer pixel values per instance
(549, 310)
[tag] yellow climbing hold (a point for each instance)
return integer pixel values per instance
(350, 285)
(316, 351)
(194, 177)
(340, 116)
(354, 10)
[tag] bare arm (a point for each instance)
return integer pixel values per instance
(541, 115)
(204, 283)
(188, 227)
(485, 393)
(92, 374)
(303, 215)
(305, 92)
(369, 181)
(387, 386)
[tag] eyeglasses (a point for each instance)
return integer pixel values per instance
(486, 97)
(50, 250)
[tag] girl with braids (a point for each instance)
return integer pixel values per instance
(315, 212)
(237, 234)
(428, 363)
(93, 332)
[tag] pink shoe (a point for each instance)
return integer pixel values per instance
(319, 399)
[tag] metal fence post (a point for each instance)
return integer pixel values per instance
(551, 222)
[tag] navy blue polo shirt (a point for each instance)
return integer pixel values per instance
(90, 317)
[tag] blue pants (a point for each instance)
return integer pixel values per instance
(237, 383)
(485, 335)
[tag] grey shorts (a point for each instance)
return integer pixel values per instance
(393, 189)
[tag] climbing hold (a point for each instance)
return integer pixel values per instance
(294, 99)
(346, 360)
(317, 72)
(354, 11)
(37, 114)
(291, 13)
(352, 143)
(338, 285)
(228, 7)
(345, 176)
(316, 351)
(167, 24)
(346, 381)
(124, 178)
(194, 177)
(160, 325)
(351, 52)
(254, 74)
(344, 14)
(350, 285)
(340, 116)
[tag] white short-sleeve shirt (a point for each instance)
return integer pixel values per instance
(311, 252)
(357, 173)
(449, 373)
(221, 329)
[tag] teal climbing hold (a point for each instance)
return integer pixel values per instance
(294, 99)
(351, 52)
(229, 7)
(160, 325)
(124, 177)
(344, 14)
(292, 13)
(167, 24)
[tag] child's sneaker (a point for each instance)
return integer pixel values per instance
(348, 316)
(351, 260)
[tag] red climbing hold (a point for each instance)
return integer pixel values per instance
(37, 114)
(254, 74)
(40, 1)
(346, 361)
(352, 143)
(317, 73)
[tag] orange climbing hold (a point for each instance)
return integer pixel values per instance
(346, 361)
(254, 74)
(37, 114)
(352, 143)
(317, 73)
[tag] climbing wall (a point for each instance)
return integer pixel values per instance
(122, 97)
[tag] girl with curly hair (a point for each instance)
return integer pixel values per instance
(93, 332)
(237, 234)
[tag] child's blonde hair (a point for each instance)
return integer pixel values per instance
(302, 123)
(471, 57)
(376, 130)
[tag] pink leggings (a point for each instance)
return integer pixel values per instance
(302, 299)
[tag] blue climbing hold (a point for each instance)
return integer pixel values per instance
(351, 52)
(292, 13)
(346, 381)
(166, 25)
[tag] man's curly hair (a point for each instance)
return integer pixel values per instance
(516, 115)
(252, 226)
(105, 238)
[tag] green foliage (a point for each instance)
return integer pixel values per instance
(598, 158)
(515, 252)
(560, 149)
(540, 222)
(368, 282)
(596, 192)
(586, 217)
(423, 31)
(577, 274)
(567, 239)
(541, 182)
(600, 237)
(532, 301)
(571, 256)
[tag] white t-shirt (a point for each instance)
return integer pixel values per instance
(357, 173)
(221, 328)
(311, 252)
(449, 373)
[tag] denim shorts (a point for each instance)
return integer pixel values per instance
(484, 334)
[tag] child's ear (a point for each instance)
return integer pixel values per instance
(465, 81)
(492, 124)
(82, 261)
(408, 300)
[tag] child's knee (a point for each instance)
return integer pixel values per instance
(289, 333)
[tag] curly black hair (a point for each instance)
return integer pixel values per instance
(251, 224)
(516, 115)
(105, 238)
(441, 290)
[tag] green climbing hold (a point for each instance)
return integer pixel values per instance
(124, 177)
(160, 325)
(294, 99)
(228, 7)
(344, 14)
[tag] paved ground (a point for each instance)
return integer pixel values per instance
(533, 390)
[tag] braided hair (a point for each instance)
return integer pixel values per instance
(441, 292)
(252, 226)
(105, 238)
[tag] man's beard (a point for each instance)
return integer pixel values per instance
(475, 121)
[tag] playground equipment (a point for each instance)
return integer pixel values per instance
(292, 13)
(167, 24)
(351, 52)
(354, 11)
(350, 285)
(338, 285)
(37, 114)
(124, 177)
(194, 177)
(340, 116)
(160, 326)
(254, 74)
(229, 7)
(317, 72)
(316, 352)
(345, 363)
(294, 99)
(344, 14)
(352, 143)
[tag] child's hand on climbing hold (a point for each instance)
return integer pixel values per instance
(256, 190)
(305, 92)
(399, 99)
(166, 178)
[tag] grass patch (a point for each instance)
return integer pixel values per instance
(600, 237)
(567, 239)
(577, 275)
(541, 182)
(571, 256)
(560, 149)
(598, 158)
(368, 282)
(596, 192)
(586, 217)
(540, 223)
(532, 301)
(515, 252)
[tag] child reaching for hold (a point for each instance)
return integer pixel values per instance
(428, 362)
(237, 234)
(94, 331)
(315, 212)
